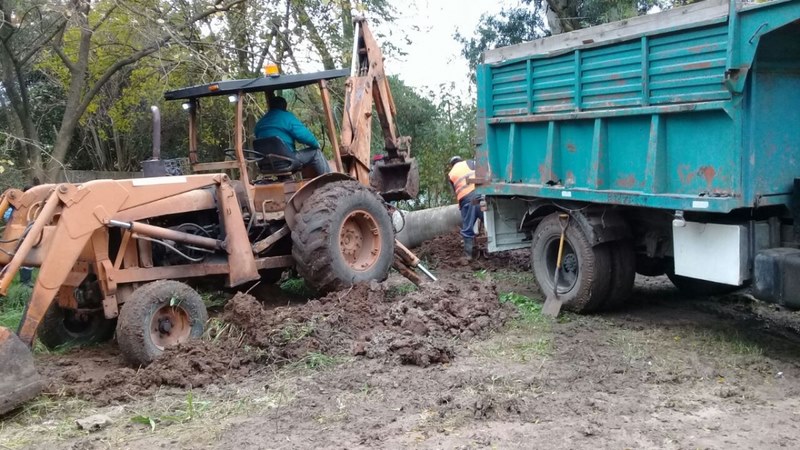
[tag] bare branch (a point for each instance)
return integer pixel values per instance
(105, 17)
(65, 59)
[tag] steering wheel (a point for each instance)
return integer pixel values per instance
(249, 155)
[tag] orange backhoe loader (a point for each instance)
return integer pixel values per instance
(111, 252)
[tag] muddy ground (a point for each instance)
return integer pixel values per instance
(448, 366)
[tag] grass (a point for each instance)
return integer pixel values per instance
(297, 287)
(400, 290)
(317, 361)
(12, 305)
(528, 336)
(293, 331)
(214, 300)
(529, 310)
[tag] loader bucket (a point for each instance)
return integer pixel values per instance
(395, 179)
(19, 381)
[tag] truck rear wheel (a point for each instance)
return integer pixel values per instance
(623, 273)
(586, 271)
(700, 288)
(62, 326)
(156, 316)
(343, 236)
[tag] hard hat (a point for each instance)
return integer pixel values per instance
(454, 160)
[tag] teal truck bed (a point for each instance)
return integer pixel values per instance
(692, 112)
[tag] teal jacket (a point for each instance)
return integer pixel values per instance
(287, 127)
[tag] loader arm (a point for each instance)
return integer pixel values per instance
(83, 210)
(395, 175)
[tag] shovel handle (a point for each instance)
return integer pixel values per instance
(564, 221)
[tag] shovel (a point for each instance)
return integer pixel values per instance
(552, 305)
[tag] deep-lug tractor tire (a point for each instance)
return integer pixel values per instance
(156, 316)
(343, 235)
(586, 273)
(60, 327)
(623, 273)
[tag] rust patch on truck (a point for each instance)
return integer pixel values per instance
(627, 182)
(708, 173)
(686, 174)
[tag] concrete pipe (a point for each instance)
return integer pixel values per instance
(425, 224)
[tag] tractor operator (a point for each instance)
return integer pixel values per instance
(460, 172)
(279, 122)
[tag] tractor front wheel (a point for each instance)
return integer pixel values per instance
(62, 326)
(156, 316)
(343, 236)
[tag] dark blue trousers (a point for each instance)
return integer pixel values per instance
(470, 213)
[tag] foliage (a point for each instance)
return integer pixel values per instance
(525, 21)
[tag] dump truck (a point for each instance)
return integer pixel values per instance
(668, 142)
(115, 255)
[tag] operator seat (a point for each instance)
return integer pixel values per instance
(279, 159)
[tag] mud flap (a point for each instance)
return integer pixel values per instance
(19, 381)
(395, 179)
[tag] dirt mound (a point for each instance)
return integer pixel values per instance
(98, 374)
(447, 251)
(373, 321)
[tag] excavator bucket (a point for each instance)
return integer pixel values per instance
(395, 179)
(19, 381)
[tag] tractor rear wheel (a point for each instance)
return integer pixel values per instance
(156, 316)
(586, 271)
(61, 326)
(343, 236)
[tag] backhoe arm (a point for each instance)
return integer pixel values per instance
(395, 175)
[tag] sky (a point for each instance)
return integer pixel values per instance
(434, 57)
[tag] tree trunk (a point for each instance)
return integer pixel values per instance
(347, 32)
(73, 110)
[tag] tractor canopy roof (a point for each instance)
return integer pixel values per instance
(261, 84)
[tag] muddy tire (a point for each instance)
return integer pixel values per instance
(699, 288)
(586, 272)
(343, 236)
(651, 267)
(60, 327)
(159, 315)
(623, 273)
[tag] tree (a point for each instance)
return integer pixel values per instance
(525, 22)
(93, 45)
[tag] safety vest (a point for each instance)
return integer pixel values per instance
(458, 176)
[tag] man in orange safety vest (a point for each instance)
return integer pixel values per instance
(468, 201)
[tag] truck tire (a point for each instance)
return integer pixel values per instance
(158, 315)
(343, 236)
(623, 273)
(699, 288)
(650, 267)
(586, 272)
(61, 327)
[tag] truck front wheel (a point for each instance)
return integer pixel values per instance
(585, 278)
(343, 235)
